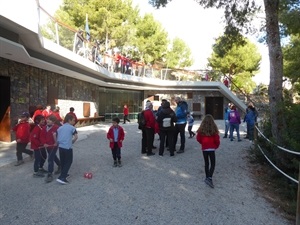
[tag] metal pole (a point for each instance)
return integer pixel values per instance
(298, 201)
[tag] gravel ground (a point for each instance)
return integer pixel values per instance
(146, 190)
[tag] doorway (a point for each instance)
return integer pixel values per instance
(5, 134)
(214, 106)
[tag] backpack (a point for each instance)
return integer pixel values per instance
(141, 120)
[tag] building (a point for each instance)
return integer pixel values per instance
(35, 70)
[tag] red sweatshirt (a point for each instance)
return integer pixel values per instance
(208, 142)
(121, 135)
(149, 118)
(35, 139)
(47, 136)
(22, 130)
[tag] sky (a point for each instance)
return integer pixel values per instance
(196, 26)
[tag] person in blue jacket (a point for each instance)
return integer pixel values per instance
(181, 113)
(250, 119)
(226, 114)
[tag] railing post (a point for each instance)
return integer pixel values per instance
(298, 201)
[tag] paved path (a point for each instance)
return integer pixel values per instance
(145, 191)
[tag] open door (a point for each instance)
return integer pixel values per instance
(5, 134)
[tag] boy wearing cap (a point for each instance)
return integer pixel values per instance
(22, 130)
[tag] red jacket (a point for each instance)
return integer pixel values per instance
(121, 136)
(47, 136)
(45, 113)
(37, 112)
(149, 118)
(56, 114)
(208, 142)
(74, 115)
(35, 139)
(125, 111)
(22, 130)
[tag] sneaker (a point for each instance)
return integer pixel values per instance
(58, 171)
(239, 140)
(150, 154)
(49, 178)
(42, 170)
(172, 154)
(225, 136)
(180, 151)
(190, 137)
(209, 182)
(38, 174)
(119, 163)
(115, 164)
(20, 162)
(62, 181)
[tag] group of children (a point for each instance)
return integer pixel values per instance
(46, 138)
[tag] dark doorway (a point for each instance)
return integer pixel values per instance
(5, 109)
(214, 106)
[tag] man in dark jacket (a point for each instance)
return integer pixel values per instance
(181, 114)
(166, 119)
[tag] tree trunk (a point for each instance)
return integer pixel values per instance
(276, 71)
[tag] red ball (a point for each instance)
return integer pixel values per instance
(90, 175)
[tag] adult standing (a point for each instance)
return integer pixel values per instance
(125, 114)
(181, 114)
(149, 128)
(250, 119)
(234, 121)
(166, 118)
(226, 114)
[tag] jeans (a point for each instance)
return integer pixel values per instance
(66, 160)
(116, 151)
(21, 148)
(190, 131)
(180, 128)
(209, 156)
(226, 128)
(39, 159)
(250, 131)
(52, 157)
(236, 127)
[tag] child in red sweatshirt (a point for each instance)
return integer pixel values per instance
(36, 145)
(116, 135)
(49, 142)
(22, 130)
(208, 137)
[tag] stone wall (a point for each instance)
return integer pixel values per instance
(29, 87)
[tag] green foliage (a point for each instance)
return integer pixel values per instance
(150, 39)
(289, 14)
(179, 56)
(240, 63)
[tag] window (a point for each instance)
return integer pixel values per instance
(190, 95)
(156, 97)
(196, 107)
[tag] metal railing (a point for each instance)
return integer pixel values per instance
(260, 133)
